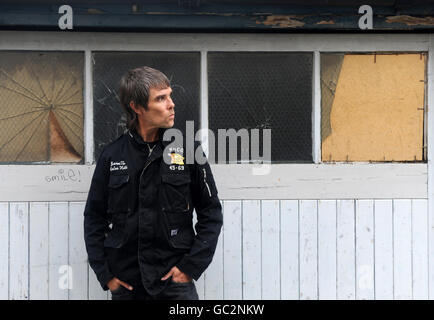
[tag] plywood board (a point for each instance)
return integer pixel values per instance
(378, 109)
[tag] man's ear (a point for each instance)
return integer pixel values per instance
(135, 107)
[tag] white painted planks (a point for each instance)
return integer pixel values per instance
(213, 277)
(232, 251)
(19, 251)
(383, 234)
(77, 253)
(59, 274)
(200, 283)
(270, 250)
(346, 289)
(402, 264)
(308, 249)
(431, 248)
(288, 249)
(327, 249)
(289, 262)
(39, 250)
(365, 250)
(4, 251)
(251, 233)
(420, 248)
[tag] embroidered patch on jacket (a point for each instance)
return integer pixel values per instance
(173, 232)
(118, 165)
(176, 158)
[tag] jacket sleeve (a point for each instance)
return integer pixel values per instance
(209, 221)
(96, 223)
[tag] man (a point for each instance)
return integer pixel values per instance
(138, 216)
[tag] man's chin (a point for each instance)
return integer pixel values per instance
(168, 126)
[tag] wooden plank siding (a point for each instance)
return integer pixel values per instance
(19, 250)
(383, 234)
(268, 249)
(346, 250)
(39, 250)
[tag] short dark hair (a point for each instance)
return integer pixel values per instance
(135, 86)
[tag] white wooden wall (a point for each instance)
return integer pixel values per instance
(269, 249)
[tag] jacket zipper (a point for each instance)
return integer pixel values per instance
(140, 179)
(138, 194)
(206, 183)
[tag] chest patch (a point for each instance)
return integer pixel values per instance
(176, 158)
(118, 165)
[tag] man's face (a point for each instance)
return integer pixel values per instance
(161, 109)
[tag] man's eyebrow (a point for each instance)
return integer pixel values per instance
(163, 95)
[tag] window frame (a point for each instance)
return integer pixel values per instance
(180, 42)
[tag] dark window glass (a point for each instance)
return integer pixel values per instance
(264, 90)
(182, 69)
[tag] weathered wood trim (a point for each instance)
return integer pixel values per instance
(191, 15)
(285, 181)
(25, 40)
(323, 181)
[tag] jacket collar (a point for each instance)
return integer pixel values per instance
(138, 140)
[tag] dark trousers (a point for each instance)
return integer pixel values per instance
(173, 291)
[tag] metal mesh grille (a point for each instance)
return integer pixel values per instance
(41, 103)
(182, 69)
(264, 90)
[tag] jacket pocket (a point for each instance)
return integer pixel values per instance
(183, 239)
(181, 233)
(176, 192)
(118, 193)
(117, 210)
(114, 239)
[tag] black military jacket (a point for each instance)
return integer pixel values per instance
(143, 203)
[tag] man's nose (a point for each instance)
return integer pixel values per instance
(171, 103)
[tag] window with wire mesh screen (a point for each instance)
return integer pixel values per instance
(41, 103)
(182, 69)
(264, 90)
(373, 106)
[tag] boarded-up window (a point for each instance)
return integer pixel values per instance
(182, 69)
(373, 107)
(41, 103)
